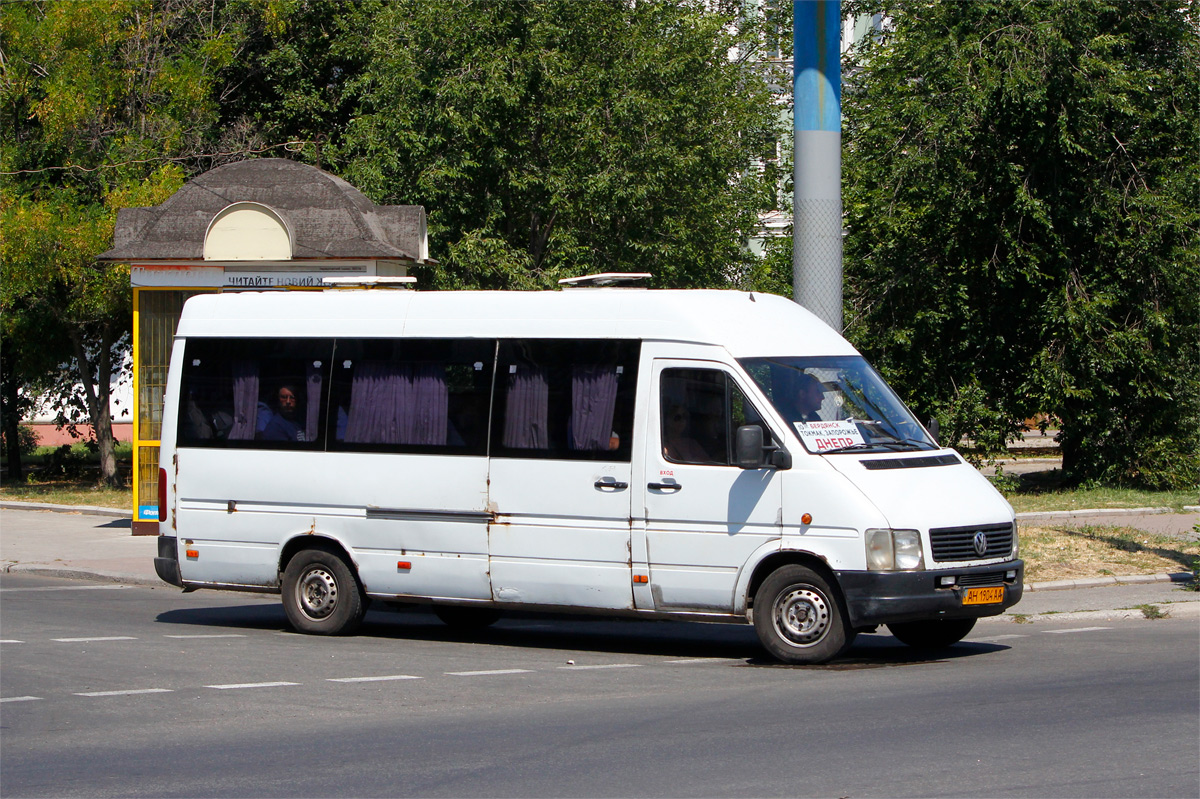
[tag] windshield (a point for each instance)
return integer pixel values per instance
(838, 404)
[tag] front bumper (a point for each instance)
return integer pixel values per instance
(874, 598)
(166, 565)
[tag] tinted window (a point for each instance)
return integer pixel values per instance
(565, 399)
(264, 393)
(701, 410)
(411, 395)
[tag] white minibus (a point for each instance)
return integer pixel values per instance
(701, 455)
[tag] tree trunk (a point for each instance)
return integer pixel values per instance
(12, 434)
(96, 396)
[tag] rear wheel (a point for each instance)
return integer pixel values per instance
(932, 634)
(321, 594)
(799, 618)
(464, 618)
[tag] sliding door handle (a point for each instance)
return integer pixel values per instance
(664, 486)
(611, 483)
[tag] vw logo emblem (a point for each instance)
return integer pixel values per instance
(980, 543)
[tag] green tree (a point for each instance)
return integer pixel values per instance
(1021, 189)
(549, 138)
(96, 101)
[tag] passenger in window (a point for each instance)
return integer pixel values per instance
(678, 444)
(801, 401)
(284, 424)
(203, 425)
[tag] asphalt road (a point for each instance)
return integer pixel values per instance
(133, 691)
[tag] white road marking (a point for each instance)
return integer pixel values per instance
(11, 641)
(20, 698)
(487, 673)
(131, 692)
(602, 666)
(686, 661)
(232, 686)
(1075, 630)
(90, 640)
(998, 637)
(374, 679)
(222, 635)
(68, 588)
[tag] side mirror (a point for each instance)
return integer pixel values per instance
(933, 428)
(753, 453)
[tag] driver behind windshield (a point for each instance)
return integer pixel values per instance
(798, 396)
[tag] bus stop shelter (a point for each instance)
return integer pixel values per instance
(261, 224)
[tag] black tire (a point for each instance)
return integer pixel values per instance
(799, 617)
(321, 594)
(464, 618)
(932, 634)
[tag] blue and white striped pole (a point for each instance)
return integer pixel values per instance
(817, 224)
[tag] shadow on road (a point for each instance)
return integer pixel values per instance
(574, 634)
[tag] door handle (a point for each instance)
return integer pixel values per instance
(665, 486)
(610, 483)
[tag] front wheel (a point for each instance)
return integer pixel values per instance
(321, 594)
(798, 616)
(932, 634)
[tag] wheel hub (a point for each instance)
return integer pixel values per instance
(318, 592)
(802, 615)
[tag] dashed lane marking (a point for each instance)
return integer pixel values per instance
(20, 699)
(212, 635)
(1075, 630)
(990, 638)
(385, 678)
(130, 692)
(235, 686)
(602, 666)
(93, 640)
(10, 641)
(488, 673)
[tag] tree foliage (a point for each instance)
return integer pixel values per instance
(550, 138)
(97, 100)
(1021, 189)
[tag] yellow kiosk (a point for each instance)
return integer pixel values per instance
(262, 224)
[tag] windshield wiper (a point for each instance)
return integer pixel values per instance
(896, 443)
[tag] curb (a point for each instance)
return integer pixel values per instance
(87, 510)
(1051, 515)
(90, 575)
(1098, 582)
(1186, 609)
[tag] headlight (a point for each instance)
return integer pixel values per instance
(894, 550)
(1016, 545)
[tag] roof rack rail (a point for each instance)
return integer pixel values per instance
(368, 282)
(604, 279)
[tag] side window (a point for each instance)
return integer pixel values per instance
(411, 395)
(254, 393)
(565, 399)
(700, 412)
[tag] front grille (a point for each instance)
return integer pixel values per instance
(986, 578)
(958, 543)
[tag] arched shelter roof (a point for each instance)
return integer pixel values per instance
(327, 217)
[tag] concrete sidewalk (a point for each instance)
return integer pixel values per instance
(95, 544)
